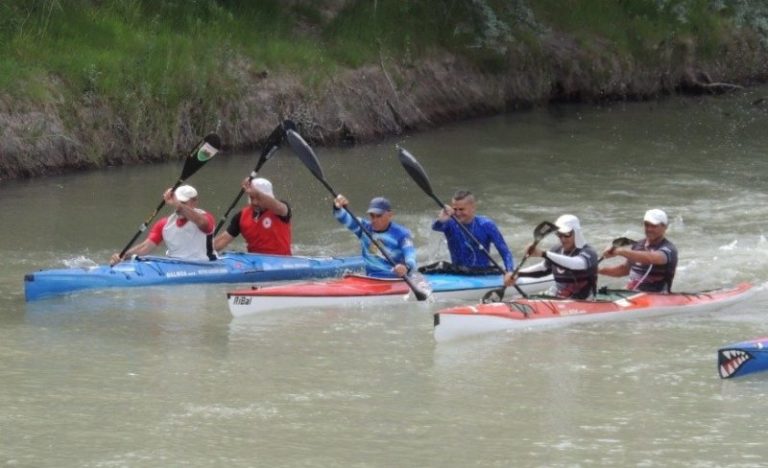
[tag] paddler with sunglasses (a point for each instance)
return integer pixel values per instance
(573, 263)
(395, 238)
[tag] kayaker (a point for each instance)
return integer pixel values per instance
(265, 223)
(650, 262)
(395, 238)
(573, 263)
(187, 232)
(465, 253)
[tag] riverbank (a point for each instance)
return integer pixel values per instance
(513, 58)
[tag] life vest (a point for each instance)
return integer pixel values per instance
(267, 234)
(654, 278)
(576, 284)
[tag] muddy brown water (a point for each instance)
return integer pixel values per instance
(166, 377)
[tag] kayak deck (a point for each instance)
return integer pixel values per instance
(231, 267)
(458, 322)
(358, 289)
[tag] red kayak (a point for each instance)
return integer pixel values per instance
(459, 322)
(361, 290)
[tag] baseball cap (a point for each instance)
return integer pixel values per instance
(263, 186)
(379, 205)
(185, 193)
(568, 223)
(655, 216)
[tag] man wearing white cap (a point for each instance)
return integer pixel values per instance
(573, 263)
(265, 223)
(650, 262)
(186, 232)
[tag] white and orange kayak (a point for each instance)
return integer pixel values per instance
(459, 322)
(353, 290)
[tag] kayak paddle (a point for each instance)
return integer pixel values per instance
(419, 175)
(309, 158)
(539, 232)
(270, 147)
(618, 242)
(203, 152)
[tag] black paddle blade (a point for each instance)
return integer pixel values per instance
(289, 125)
(494, 295)
(421, 288)
(414, 169)
(305, 153)
(274, 140)
(622, 242)
(543, 229)
(203, 152)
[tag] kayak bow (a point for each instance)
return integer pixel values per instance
(743, 358)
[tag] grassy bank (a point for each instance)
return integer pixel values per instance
(167, 50)
(148, 62)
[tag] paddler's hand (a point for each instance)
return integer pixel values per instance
(400, 270)
(115, 259)
(170, 198)
(445, 214)
(509, 280)
(534, 251)
(340, 201)
(609, 252)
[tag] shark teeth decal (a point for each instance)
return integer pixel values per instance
(730, 361)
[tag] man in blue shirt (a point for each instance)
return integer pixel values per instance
(393, 237)
(464, 251)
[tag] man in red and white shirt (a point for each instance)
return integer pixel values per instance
(265, 223)
(186, 232)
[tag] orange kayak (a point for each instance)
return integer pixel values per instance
(538, 311)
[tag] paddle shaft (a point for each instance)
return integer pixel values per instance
(474, 239)
(270, 147)
(203, 152)
(149, 219)
(309, 159)
(416, 292)
(240, 194)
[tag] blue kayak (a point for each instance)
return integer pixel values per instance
(743, 358)
(231, 267)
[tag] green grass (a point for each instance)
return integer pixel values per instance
(164, 51)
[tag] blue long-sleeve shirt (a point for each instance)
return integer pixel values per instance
(396, 240)
(464, 251)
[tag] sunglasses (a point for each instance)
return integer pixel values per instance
(561, 235)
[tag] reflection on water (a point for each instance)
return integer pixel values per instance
(161, 376)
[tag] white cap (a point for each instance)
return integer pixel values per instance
(569, 223)
(263, 186)
(185, 193)
(655, 216)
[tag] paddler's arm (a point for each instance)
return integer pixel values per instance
(143, 248)
(203, 220)
(409, 255)
(441, 223)
(265, 201)
(344, 217)
(501, 246)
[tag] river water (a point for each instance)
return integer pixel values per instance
(166, 377)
